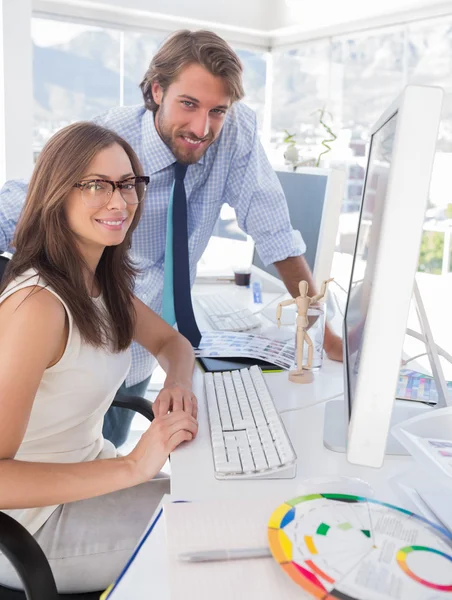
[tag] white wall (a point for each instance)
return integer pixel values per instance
(308, 15)
(238, 21)
(259, 18)
(16, 90)
(250, 14)
(304, 20)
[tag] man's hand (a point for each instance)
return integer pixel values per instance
(174, 397)
(333, 345)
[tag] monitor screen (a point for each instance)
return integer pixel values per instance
(369, 229)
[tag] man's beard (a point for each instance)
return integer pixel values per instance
(185, 157)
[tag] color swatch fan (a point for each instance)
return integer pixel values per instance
(339, 547)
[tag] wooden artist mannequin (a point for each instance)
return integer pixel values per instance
(303, 302)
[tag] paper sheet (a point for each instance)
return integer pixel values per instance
(224, 524)
(413, 385)
(224, 344)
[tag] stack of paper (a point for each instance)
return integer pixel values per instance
(426, 494)
(428, 438)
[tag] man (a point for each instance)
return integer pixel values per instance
(192, 115)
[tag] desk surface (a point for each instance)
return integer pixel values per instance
(192, 470)
(192, 476)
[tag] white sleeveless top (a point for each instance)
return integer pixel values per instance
(66, 420)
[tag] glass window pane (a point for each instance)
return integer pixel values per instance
(372, 77)
(75, 74)
(300, 91)
(139, 48)
(254, 76)
(368, 75)
(429, 62)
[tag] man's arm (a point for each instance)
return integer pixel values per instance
(255, 193)
(12, 199)
(294, 269)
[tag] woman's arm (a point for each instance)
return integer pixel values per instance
(33, 337)
(175, 355)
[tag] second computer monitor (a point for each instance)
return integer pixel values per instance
(384, 265)
(314, 198)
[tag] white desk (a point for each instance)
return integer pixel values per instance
(192, 474)
(192, 465)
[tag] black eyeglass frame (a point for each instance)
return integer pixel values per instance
(144, 179)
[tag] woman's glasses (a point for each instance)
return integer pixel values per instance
(98, 192)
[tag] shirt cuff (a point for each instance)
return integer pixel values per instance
(281, 246)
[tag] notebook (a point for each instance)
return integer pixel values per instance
(224, 524)
(222, 364)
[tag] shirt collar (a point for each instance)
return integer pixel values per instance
(157, 154)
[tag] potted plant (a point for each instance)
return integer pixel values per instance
(291, 153)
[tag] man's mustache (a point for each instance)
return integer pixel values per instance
(194, 137)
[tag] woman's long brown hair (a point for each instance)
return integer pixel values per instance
(44, 241)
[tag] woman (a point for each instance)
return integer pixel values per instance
(67, 318)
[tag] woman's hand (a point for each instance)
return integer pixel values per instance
(175, 397)
(165, 433)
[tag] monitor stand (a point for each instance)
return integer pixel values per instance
(336, 422)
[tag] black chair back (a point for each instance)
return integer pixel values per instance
(4, 260)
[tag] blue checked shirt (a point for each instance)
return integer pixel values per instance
(234, 170)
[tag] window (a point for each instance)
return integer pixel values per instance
(372, 77)
(429, 62)
(369, 74)
(139, 48)
(300, 90)
(75, 74)
(254, 76)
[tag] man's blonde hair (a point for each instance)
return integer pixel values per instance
(186, 47)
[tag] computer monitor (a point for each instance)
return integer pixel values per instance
(393, 207)
(314, 198)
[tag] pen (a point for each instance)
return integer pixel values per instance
(211, 555)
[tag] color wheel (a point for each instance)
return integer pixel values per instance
(340, 547)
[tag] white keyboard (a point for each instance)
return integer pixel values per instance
(248, 437)
(226, 315)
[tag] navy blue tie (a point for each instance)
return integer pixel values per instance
(183, 306)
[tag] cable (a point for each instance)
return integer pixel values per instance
(335, 298)
(422, 339)
(406, 361)
(340, 287)
(336, 302)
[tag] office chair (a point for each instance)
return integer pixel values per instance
(21, 548)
